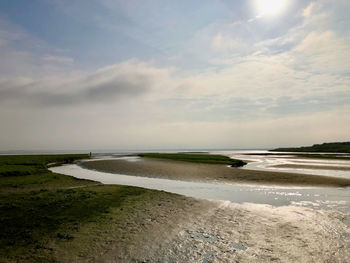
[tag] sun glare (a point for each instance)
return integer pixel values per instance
(270, 7)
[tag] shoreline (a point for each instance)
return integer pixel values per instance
(185, 229)
(315, 167)
(84, 222)
(177, 170)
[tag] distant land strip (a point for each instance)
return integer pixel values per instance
(333, 147)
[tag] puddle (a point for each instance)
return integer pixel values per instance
(238, 246)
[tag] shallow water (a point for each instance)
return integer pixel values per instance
(286, 232)
(268, 163)
(317, 198)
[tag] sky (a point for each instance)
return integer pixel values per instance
(159, 74)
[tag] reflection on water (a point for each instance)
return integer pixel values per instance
(269, 163)
(318, 198)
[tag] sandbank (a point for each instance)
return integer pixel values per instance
(178, 170)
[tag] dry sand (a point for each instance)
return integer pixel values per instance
(186, 171)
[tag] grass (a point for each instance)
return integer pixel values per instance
(29, 220)
(333, 147)
(41, 160)
(29, 172)
(196, 158)
(19, 165)
(309, 155)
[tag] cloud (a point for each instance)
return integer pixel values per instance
(309, 9)
(324, 52)
(247, 81)
(303, 71)
(223, 43)
(22, 55)
(64, 60)
(129, 79)
(265, 89)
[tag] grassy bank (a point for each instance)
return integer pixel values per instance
(48, 217)
(308, 155)
(333, 147)
(23, 173)
(196, 158)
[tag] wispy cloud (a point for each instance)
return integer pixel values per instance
(226, 78)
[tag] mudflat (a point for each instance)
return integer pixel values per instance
(227, 232)
(319, 167)
(172, 228)
(178, 170)
(50, 217)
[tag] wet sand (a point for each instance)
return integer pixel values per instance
(257, 233)
(172, 228)
(317, 167)
(177, 170)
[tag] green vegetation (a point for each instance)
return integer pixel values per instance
(29, 220)
(309, 155)
(18, 165)
(40, 209)
(334, 147)
(196, 158)
(29, 172)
